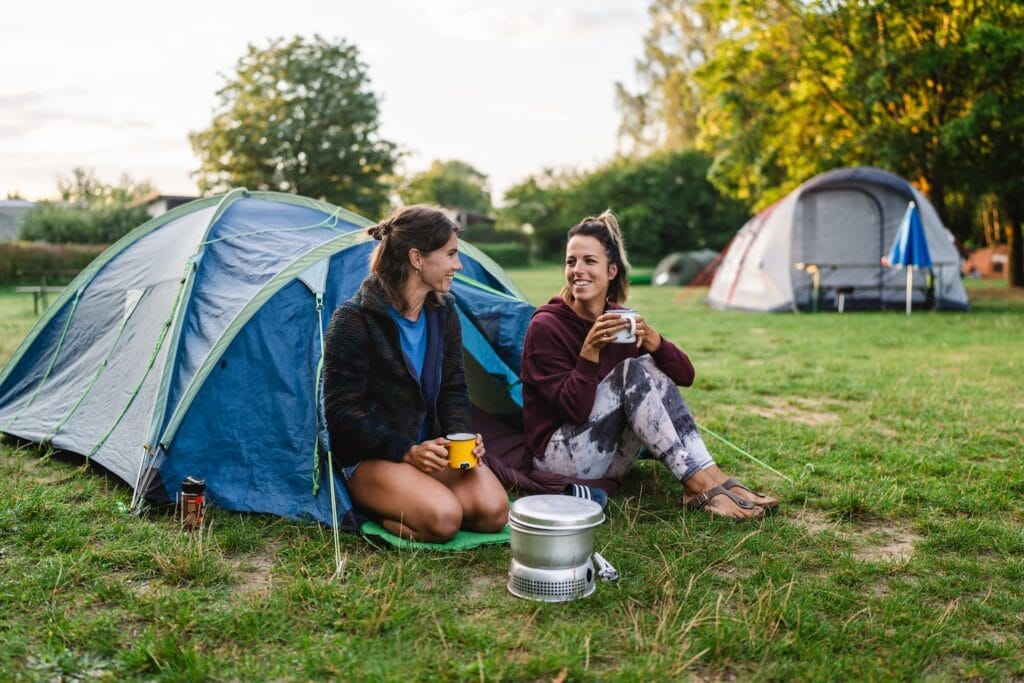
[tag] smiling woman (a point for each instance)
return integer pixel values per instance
(395, 387)
(594, 393)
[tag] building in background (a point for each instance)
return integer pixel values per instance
(157, 204)
(12, 211)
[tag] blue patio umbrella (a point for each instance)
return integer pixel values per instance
(910, 248)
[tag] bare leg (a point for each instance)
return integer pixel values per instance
(482, 497)
(406, 501)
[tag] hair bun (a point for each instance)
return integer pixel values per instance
(380, 231)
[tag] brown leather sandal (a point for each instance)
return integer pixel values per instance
(702, 500)
(769, 507)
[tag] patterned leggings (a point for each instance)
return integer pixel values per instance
(636, 405)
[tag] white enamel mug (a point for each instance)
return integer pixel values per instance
(625, 336)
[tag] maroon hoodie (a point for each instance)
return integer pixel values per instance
(559, 385)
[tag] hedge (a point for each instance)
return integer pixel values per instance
(507, 254)
(33, 262)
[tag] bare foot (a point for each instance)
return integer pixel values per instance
(756, 497)
(719, 503)
(702, 493)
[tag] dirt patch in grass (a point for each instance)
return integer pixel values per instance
(874, 542)
(480, 585)
(813, 520)
(254, 571)
(688, 294)
(883, 430)
(813, 412)
(895, 544)
(732, 573)
(997, 294)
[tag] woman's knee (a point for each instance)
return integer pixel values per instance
(441, 520)
(492, 515)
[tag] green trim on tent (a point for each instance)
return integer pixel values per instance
(492, 267)
(282, 278)
(89, 272)
(188, 280)
(316, 204)
(479, 285)
(190, 266)
(96, 375)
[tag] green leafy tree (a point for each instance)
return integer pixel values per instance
(298, 116)
(89, 211)
(989, 138)
(453, 184)
(785, 89)
(664, 202)
(82, 187)
(665, 112)
(62, 224)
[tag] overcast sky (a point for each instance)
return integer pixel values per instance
(510, 86)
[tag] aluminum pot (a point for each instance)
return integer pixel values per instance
(553, 532)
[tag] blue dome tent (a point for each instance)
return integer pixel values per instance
(193, 346)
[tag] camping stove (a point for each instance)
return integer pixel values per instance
(552, 541)
(551, 585)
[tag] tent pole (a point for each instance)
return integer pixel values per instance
(910, 285)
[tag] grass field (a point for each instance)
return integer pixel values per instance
(898, 552)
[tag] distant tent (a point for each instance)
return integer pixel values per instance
(193, 347)
(707, 276)
(988, 262)
(829, 235)
(681, 267)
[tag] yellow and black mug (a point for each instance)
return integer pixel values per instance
(460, 451)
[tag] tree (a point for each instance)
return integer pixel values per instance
(89, 211)
(454, 184)
(666, 111)
(299, 117)
(62, 224)
(786, 89)
(84, 188)
(664, 203)
(990, 136)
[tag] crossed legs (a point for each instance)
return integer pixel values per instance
(638, 405)
(429, 507)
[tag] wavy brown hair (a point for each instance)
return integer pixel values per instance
(419, 226)
(605, 229)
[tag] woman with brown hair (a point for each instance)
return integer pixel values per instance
(590, 403)
(395, 385)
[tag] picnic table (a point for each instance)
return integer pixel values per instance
(39, 292)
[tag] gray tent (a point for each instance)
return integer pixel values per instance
(680, 267)
(823, 244)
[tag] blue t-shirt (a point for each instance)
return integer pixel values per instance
(413, 336)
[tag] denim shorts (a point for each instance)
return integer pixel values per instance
(347, 472)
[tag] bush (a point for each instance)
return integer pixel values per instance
(507, 254)
(69, 225)
(31, 263)
(487, 233)
(664, 203)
